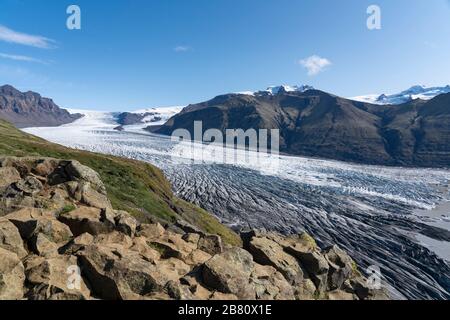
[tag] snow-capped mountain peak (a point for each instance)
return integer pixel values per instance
(274, 90)
(285, 88)
(415, 92)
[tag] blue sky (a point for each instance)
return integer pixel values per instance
(142, 53)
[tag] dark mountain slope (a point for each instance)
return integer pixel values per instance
(29, 109)
(315, 123)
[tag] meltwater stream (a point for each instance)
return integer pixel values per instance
(370, 211)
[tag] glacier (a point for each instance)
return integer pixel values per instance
(384, 216)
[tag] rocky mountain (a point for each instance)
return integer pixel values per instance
(29, 109)
(149, 116)
(61, 239)
(413, 93)
(319, 124)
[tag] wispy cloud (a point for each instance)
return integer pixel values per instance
(182, 49)
(11, 36)
(314, 64)
(21, 58)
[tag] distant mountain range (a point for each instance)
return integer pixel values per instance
(413, 93)
(311, 122)
(319, 124)
(26, 109)
(150, 116)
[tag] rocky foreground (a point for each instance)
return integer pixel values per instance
(56, 220)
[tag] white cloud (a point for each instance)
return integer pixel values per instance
(21, 58)
(182, 48)
(315, 64)
(12, 36)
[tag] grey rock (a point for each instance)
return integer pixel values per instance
(341, 267)
(8, 176)
(230, 272)
(86, 219)
(10, 238)
(211, 244)
(12, 276)
(268, 252)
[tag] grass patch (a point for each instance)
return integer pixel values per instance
(133, 186)
(158, 247)
(67, 208)
(308, 239)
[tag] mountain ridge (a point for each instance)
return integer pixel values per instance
(415, 92)
(318, 124)
(26, 109)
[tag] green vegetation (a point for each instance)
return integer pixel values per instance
(355, 269)
(67, 208)
(158, 247)
(133, 186)
(308, 239)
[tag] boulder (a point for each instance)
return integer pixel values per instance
(191, 238)
(60, 200)
(87, 219)
(193, 282)
(26, 220)
(364, 292)
(313, 262)
(93, 198)
(12, 276)
(29, 186)
(169, 250)
(30, 221)
(17, 163)
(147, 253)
(172, 245)
(178, 291)
(55, 278)
(197, 257)
(270, 284)
(187, 227)
(341, 267)
(43, 247)
(45, 167)
(150, 231)
(306, 290)
(126, 223)
(230, 272)
(211, 244)
(78, 172)
(76, 244)
(173, 268)
(10, 238)
(268, 252)
(55, 231)
(114, 239)
(120, 274)
(84, 239)
(8, 176)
